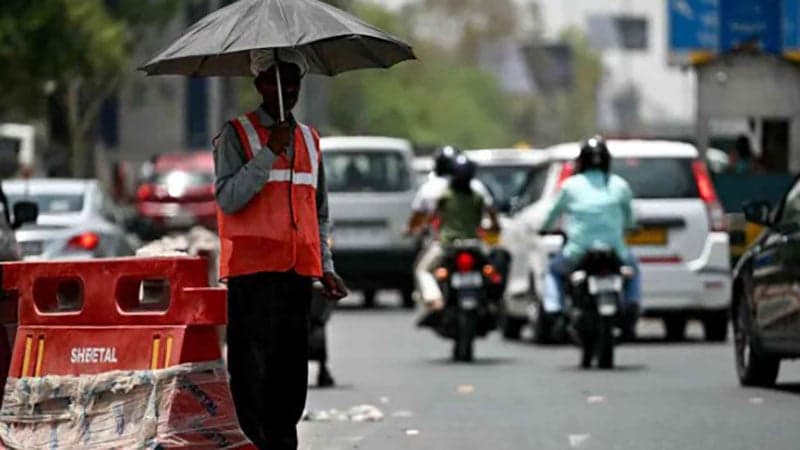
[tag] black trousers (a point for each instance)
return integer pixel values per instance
(268, 320)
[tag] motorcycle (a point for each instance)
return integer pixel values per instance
(467, 280)
(595, 289)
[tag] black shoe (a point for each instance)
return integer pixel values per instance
(324, 378)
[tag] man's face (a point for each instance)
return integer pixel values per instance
(267, 85)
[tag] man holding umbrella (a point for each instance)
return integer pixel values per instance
(273, 219)
(270, 177)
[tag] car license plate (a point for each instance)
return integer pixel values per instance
(599, 285)
(648, 236)
(607, 305)
(468, 302)
(466, 280)
(31, 248)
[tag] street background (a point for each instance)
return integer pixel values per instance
(82, 131)
(660, 396)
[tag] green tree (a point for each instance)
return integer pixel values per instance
(64, 58)
(440, 99)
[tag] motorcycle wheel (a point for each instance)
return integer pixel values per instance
(605, 343)
(465, 335)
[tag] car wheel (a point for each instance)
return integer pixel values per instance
(675, 328)
(369, 298)
(715, 326)
(512, 328)
(752, 366)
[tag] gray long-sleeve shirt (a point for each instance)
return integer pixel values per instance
(239, 180)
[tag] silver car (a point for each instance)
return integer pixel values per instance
(371, 185)
(77, 220)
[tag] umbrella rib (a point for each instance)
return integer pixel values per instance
(199, 65)
(369, 53)
(225, 44)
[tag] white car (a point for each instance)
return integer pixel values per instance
(370, 188)
(516, 179)
(682, 244)
(77, 220)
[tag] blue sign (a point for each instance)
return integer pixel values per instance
(791, 25)
(718, 26)
(694, 25)
(751, 22)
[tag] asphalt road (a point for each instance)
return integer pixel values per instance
(522, 396)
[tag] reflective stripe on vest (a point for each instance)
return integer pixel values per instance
(281, 175)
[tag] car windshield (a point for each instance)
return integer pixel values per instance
(658, 177)
(509, 182)
(366, 171)
(51, 203)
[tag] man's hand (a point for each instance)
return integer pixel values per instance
(280, 136)
(335, 289)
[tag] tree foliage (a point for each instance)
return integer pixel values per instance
(62, 59)
(443, 98)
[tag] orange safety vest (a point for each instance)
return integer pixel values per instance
(278, 230)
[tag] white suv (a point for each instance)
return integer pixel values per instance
(681, 245)
(370, 187)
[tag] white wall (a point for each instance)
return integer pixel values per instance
(668, 92)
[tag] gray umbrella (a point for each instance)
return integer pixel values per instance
(332, 40)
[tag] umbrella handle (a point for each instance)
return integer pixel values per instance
(280, 86)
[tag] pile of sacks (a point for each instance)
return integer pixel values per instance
(198, 241)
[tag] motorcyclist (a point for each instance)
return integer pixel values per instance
(599, 209)
(423, 209)
(460, 210)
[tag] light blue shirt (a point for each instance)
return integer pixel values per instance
(598, 210)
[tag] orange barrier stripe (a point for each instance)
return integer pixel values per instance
(156, 349)
(26, 360)
(168, 352)
(39, 358)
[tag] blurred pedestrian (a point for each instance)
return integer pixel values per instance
(741, 157)
(273, 224)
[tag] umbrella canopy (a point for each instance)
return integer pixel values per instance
(332, 40)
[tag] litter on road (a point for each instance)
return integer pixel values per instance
(360, 413)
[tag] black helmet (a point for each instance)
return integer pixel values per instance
(463, 173)
(443, 159)
(594, 155)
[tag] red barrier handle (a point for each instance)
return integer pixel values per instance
(110, 290)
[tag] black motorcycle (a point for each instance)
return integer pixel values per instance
(595, 290)
(467, 280)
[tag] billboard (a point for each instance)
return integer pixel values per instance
(791, 29)
(700, 29)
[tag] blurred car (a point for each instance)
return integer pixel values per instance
(177, 194)
(765, 304)
(423, 167)
(682, 244)
(516, 179)
(76, 220)
(371, 185)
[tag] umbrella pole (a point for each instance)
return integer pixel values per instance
(280, 86)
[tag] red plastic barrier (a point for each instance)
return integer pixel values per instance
(90, 317)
